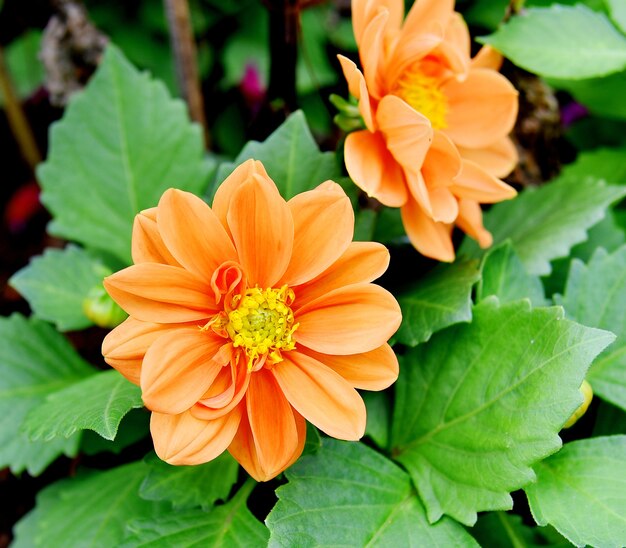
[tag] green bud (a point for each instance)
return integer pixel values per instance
(101, 309)
(587, 393)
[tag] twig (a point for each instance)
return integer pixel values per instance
(185, 60)
(17, 119)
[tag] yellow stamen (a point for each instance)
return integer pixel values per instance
(423, 93)
(263, 324)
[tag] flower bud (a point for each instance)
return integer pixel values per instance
(101, 309)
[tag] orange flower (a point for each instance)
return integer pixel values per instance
(436, 121)
(247, 317)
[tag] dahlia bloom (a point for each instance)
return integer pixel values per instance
(437, 121)
(249, 317)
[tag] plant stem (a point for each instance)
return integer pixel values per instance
(185, 58)
(17, 119)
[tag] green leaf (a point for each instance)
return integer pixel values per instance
(349, 495)
(609, 420)
(581, 491)
(561, 42)
(617, 9)
(189, 486)
(442, 298)
(544, 223)
(602, 163)
(229, 525)
(56, 283)
(595, 295)
(480, 403)
(504, 276)
(378, 417)
(134, 142)
(91, 509)
(35, 361)
(134, 427)
(96, 403)
(23, 64)
(291, 158)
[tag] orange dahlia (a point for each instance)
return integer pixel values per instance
(437, 121)
(248, 317)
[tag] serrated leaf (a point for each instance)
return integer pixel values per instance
(35, 361)
(189, 486)
(134, 142)
(581, 491)
(504, 276)
(349, 495)
(56, 283)
(442, 298)
(544, 223)
(229, 525)
(291, 158)
(91, 509)
(96, 403)
(595, 295)
(617, 9)
(561, 42)
(134, 427)
(602, 163)
(480, 403)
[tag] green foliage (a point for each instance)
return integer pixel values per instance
(135, 142)
(441, 298)
(480, 403)
(134, 427)
(544, 223)
(594, 296)
(23, 64)
(581, 491)
(349, 495)
(56, 283)
(35, 361)
(189, 486)
(96, 403)
(378, 417)
(291, 158)
(229, 525)
(562, 42)
(617, 9)
(610, 420)
(503, 275)
(91, 509)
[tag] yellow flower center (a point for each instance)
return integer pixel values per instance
(263, 324)
(423, 93)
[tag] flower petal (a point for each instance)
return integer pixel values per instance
(487, 57)
(373, 370)
(321, 396)
(358, 89)
(371, 52)
(361, 262)
(323, 229)
(178, 369)
(184, 440)
(363, 11)
(348, 320)
(430, 238)
(482, 108)
(445, 206)
(148, 246)
(470, 221)
(373, 169)
(424, 13)
(474, 183)
(498, 159)
(262, 228)
(193, 233)
(442, 163)
(161, 293)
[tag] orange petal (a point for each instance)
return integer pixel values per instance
(426, 13)
(408, 133)
(225, 393)
(373, 169)
(125, 347)
(470, 221)
(361, 262)
(371, 52)
(442, 163)
(498, 159)
(457, 35)
(348, 320)
(193, 233)
(161, 293)
(224, 193)
(243, 449)
(262, 228)
(321, 396)
(148, 246)
(410, 49)
(430, 238)
(272, 422)
(373, 370)
(363, 11)
(323, 229)
(184, 440)
(178, 369)
(488, 58)
(445, 206)
(482, 108)
(474, 183)
(358, 89)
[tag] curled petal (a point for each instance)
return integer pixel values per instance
(476, 184)
(442, 163)
(430, 238)
(185, 440)
(371, 52)
(487, 57)
(363, 11)
(498, 159)
(148, 246)
(227, 281)
(424, 13)
(358, 89)
(470, 221)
